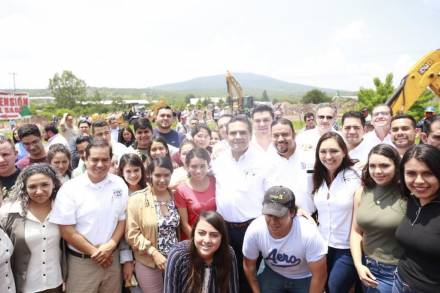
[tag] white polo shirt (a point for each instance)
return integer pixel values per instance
(335, 208)
(94, 209)
(240, 185)
(288, 256)
(292, 173)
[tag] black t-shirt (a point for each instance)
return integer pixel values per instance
(419, 235)
(9, 181)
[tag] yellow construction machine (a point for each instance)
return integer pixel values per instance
(237, 101)
(425, 73)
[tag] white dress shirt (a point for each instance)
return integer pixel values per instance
(372, 140)
(335, 208)
(306, 142)
(292, 173)
(7, 284)
(94, 209)
(43, 240)
(240, 185)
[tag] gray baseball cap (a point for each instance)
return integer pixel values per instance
(277, 201)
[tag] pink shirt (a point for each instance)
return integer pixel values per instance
(195, 201)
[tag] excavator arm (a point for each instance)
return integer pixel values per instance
(234, 87)
(425, 73)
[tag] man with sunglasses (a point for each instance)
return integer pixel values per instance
(307, 140)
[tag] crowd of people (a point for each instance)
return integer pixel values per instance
(250, 205)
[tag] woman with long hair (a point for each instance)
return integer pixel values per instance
(59, 157)
(377, 212)
(334, 186)
(197, 192)
(152, 225)
(418, 233)
(158, 148)
(206, 263)
(131, 170)
(38, 255)
(201, 135)
(126, 136)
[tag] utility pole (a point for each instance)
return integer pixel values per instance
(13, 78)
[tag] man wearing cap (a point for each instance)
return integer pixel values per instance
(292, 248)
(424, 123)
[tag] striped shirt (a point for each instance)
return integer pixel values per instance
(177, 272)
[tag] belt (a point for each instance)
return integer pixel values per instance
(77, 254)
(239, 225)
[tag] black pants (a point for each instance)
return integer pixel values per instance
(236, 236)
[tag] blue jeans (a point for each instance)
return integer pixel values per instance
(341, 271)
(384, 274)
(399, 286)
(272, 282)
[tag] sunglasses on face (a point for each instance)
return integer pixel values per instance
(325, 116)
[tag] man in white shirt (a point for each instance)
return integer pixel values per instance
(294, 252)
(353, 130)
(262, 118)
(52, 136)
(307, 140)
(241, 179)
(290, 170)
(114, 127)
(381, 121)
(223, 144)
(90, 211)
(403, 132)
(101, 130)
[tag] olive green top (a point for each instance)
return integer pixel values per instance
(380, 211)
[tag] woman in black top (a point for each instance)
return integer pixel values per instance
(419, 232)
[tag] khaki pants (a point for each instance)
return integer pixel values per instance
(85, 276)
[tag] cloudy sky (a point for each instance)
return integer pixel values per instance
(139, 43)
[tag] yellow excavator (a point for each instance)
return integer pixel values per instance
(425, 73)
(237, 101)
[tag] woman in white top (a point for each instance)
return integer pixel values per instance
(38, 255)
(6, 277)
(334, 186)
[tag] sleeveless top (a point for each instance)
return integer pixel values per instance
(380, 212)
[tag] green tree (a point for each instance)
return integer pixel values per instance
(265, 97)
(67, 89)
(188, 98)
(426, 99)
(315, 97)
(382, 91)
(221, 103)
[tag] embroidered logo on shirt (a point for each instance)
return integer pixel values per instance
(117, 193)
